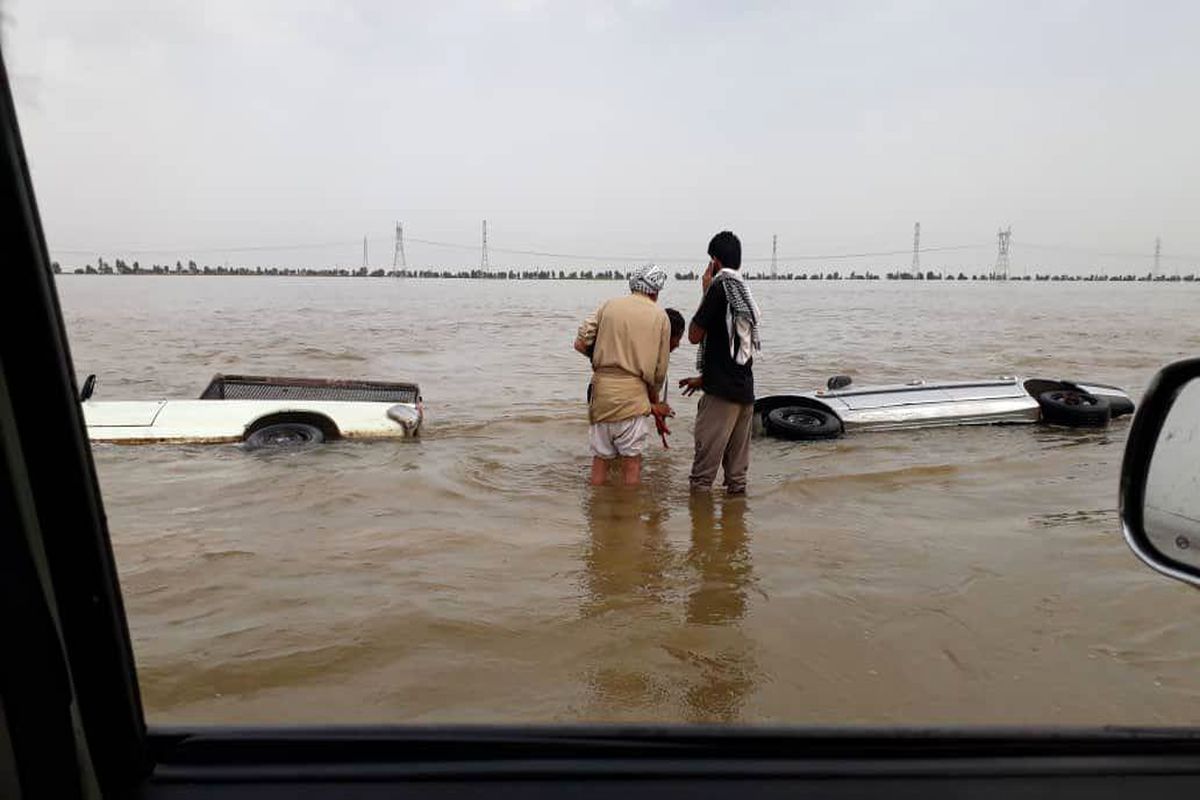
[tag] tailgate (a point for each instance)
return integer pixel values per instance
(121, 413)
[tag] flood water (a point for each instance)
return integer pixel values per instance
(970, 575)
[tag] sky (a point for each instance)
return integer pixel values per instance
(280, 133)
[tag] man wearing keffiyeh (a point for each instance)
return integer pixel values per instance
(726, 328)
(628, 342)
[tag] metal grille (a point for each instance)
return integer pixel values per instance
(241, 387)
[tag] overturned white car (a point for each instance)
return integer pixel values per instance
(843, 408)
(260, 412)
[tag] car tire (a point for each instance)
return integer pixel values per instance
(285, 434)
(1074, 409)
(802, 423)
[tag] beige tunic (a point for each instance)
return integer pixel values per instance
(633, 337)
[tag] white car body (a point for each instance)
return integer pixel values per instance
(214, 420)
(927, 404)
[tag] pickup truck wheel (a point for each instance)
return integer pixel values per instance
(802, 423)
(285, 434)
(1075, 409)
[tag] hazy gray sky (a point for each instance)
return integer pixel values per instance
(607, 127)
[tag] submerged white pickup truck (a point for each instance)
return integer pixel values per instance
(260, 412)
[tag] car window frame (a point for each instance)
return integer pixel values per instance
(91, 732)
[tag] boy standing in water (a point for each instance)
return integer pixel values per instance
(632, 342)
(677, 328)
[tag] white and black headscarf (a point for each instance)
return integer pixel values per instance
(742, 318)
(648, 279)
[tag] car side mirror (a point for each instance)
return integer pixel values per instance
(1160, 476)
(89, 386)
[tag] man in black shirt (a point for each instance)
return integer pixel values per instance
(726, 328)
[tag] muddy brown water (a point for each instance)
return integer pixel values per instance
(970, 575)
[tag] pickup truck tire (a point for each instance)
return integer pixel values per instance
(1074, 409)
(802, 423)
(285, 434)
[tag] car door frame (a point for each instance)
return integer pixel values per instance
(72, 722)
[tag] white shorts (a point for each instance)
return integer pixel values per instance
(625, 438)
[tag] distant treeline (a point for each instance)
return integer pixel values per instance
(120, 267)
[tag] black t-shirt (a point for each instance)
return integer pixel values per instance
(723, 376)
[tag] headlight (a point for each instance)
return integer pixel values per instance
(408, 417)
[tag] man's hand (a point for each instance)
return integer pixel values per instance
(691, 385)
(661, 411)
(707, 278)
(663, 431)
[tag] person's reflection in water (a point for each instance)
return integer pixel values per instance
(720, 557)
(667, 639)
(624, 582)
(628, 552)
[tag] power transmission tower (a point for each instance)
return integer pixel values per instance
(774, 256)
(483, 261)
(916, 267)
(364, 252)
(1003, 238)
(1157, 253)
(398, 259)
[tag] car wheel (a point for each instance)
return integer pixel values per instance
(285, 434)
(1074, 409)
(802, 423)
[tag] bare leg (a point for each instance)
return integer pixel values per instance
(631, 469)
(599, 471)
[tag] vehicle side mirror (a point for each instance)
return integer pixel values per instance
(1160, 476)
(838, 382)
(89, 386)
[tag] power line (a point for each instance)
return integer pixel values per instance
(1105, 253)
(347, 243)
(507, 251)
(835, 256)
(202, 250)
(690, 259)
